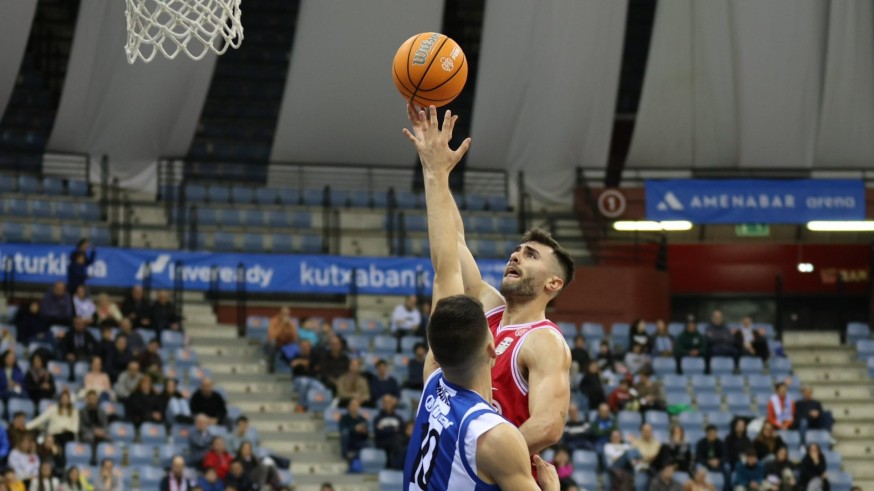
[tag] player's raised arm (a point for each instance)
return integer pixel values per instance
(502, 458)
(438, 160)
(548, 388)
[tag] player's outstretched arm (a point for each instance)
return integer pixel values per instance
(502, 458)
(548, 361)
(438, 160)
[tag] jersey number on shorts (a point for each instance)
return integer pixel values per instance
(424, 463)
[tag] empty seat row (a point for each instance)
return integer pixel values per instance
(722, 365)
(279, 243)
(40, 233)
(381, 345)
(858, 331)
(28, 184)
(620, 331)
(230, 217)
(727, 383)
(65, 210)
(484, 224)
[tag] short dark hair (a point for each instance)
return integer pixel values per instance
(381, 362)
(241, 418)
(751, 452)
(710, 427)
(778, 385)
(565, 261)
(456, 331)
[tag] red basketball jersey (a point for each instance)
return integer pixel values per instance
(509, 387)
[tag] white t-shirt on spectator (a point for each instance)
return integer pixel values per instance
(405, 320)
(613, 451)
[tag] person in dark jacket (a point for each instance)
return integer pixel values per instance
(383, 383)
(751, 341)
(690, 342)
(177, 474)
(78, 344)
(93, 421)
(680, 450)
(580, 353)
(334, 363)
(145, 405)
(809, 413)
(768, 441)
(416, 367)
(80, 259)
(813, 466)
(30, 324)
(720, 338)
(591, 385)
(118, 358)
(11, 377)
(136, 308)
(56, 306)
(164, 314)
(237, 478)
(737, 442)
(781, 470)
(710, 451)
(354, 434)
(388, 425)
(639, 336)
(209, 403)
(38, 381)
(749, 473)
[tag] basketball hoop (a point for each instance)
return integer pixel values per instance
(194, 27)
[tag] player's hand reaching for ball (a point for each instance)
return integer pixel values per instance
(547, 476)
(432, 142)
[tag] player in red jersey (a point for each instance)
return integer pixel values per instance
(530, 379)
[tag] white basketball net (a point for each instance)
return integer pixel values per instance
(193, 27)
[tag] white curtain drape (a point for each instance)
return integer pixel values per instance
(14, 31)
(340, 104)
(733, 83)
(546, 90)
(132, 113)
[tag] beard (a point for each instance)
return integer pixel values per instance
(524, 288)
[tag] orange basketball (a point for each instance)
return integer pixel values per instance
(429, 69)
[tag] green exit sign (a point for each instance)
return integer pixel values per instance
(752, 230)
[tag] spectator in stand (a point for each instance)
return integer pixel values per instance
(620, 396)
(262, 475)
(575, 430)
(97, 380)
(636, 359)
(326, 332)
(210, 481)
(648, 445)
(144, 405)
(93, 421)
(56, 306)
(399, 451)
(809, 414)
(425, 313)
(128, 381)
(209, 403)
(602, 427)
(175, 405)
(109, 479)
(46, 479)
(82, 304)
(50, 451)
(780, 472)
(812, 470)
(306, 362)
(650, 393)
(580, 354)
(61, 420)
(326, 486)
(242, 433)
(614, 449)
(175, 479)
(281, 331)
(307, 331)
(119, 359)
(751, 341)
(11, 481)
(218, 458)
(30, 325)
(150, 361)
(353, 435)
(237, 478)
(406, 318)
(610, 368)
(664, 479)
(383, 383)
(106, 344)
(416, 367)
(679, 450)
(24, 460)
(749, 474)
(353, 385)
(18, 430)
(638, 336)
(199, 441)
(591, 386)
(107, 312)
(4, 447)
(737, 442)
(11, 378)
(710, 451)
(699, 481)
(388, 426)
(768, 441)
(39, 383)
(135, 342)
(691, 342)
(562, 462)
(334, 364)
(164, 314)
(781, 408)
(663, 345)
(74, 481)
(136, 309)
(78, 344)
(720, 339)
(77, 270)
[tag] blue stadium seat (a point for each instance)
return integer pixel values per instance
(372, 327)
(760, 382)
(738, 403)
(77, 187)
(343, 325)
(313, 197)
(277, 218)
(28, 184)
(373, 460)
(791, 438)
(629, 421)
(179, 434)
(820, 437)
(592, 330)
(487, 248)
(409, 342)
(717, 479)
(568, 329)
(267, 196)
(332, 419)
(318, 399)
(141, 454)
(674, 382)
(40, 233)
(23, 405)
(721, 420)
(99, 235)
(870, 364)
(385, 345)
(749, 365)
(675, 329)
(17, 207)
(840, 481)
(584, 460)
(703, 383)
(678, 398)
(253, 243)
(113, 408)
(721, 365)
(731, 383)
(664, 367)
(832, 459)
(302, 219)
(242, 195)
(658, 419)
(358, 199)
(42, 209)
(206, 216)
(122, 432)
(229, 217)
(109, 451)
(7, 183)
(475, 202)
(483, 224)
(585, 480)
(150, 477)
(65, 211)
(694, 435)
(779, 367)
(310, 244)
(281, 243)
(223, 241)
(693, 420)
(339, 198)
(708, 402)
(415, 223)
(253, 218)
(13, 232)
(78, 454)
(219, 194)
(357, 342)
(407, 200)
(857, 331)
(865, 349)
(195, 193)
(391, 480)
(507, 226)
(380, 199)
(499, 203)
(172, 339)
(691, 366)
(88, 211)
